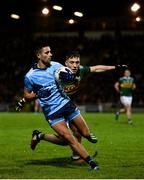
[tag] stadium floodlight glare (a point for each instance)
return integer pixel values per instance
(45, 11)
(15, 16)
(57, 8)
(79, 14)
(71, 21)
(138, 19)
(135, 7)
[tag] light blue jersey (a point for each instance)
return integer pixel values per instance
(44, 80)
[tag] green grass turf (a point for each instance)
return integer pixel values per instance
(120, 149)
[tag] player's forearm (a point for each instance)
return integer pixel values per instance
(134, 87)
(30, 96)
(101, 68)
(116, 86)
(117, 89)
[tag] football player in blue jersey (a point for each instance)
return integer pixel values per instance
(39, 82)
(73, 62)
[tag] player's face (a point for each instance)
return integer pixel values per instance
(73, 64)
(127, 73)
(45, 55)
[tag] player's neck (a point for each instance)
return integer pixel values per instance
(41, 65)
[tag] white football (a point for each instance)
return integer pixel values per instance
(61, 69)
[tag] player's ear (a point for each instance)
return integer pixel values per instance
(38, 55)
(66, 63)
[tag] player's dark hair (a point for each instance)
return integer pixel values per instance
(72, 54)
(40, 43)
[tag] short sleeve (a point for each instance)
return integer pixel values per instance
(28, 84)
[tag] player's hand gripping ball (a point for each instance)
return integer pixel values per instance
(64, 75)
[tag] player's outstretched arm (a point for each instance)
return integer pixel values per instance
(102, 68)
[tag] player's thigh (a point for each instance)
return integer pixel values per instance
(81, 125)
(62, 129)
(75, 130)
(73, 127)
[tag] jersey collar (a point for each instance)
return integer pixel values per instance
(35, 67)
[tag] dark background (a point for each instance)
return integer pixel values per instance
(106, 34)
(115, 13)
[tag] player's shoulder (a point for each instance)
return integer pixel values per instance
(30, 72)
(55, 64)
(84, 68)
(122, 78)
(132, 79)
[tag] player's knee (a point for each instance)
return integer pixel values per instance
(77, 134)
(83, 131)
(86, 135)
(69, 138)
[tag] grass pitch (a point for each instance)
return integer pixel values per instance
(120, 149)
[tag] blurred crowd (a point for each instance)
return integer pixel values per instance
(16, 57)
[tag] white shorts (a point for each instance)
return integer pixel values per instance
(126, 100)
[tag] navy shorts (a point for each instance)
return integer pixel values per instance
(67, 113)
